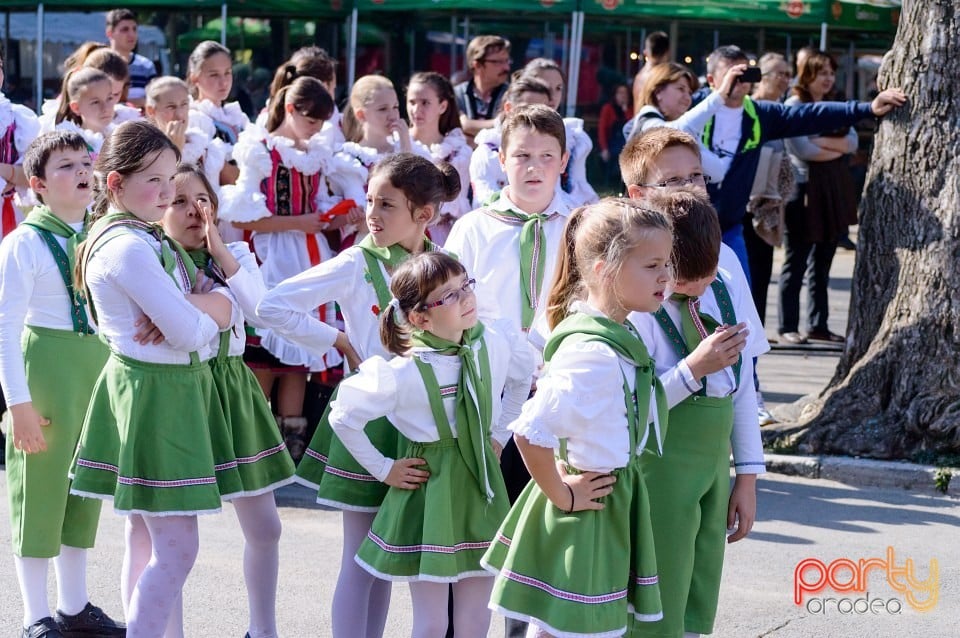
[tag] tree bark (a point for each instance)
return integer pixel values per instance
(896, 391)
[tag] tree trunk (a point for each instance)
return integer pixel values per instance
(896, 392)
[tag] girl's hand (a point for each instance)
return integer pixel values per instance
(27, 428)
(343, 344)
(211, 232)
(403, 134)
(742, 510)
(585, 488)
(355, 216)
(497, 448)
(204, 284)
(177, 132)
(147, 333)
(405, 475)
(718, 351)
(310, 224)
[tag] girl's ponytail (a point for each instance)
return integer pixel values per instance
(277, 113)
(394, 330)
(63, 110)
(567, 280)
(352, 128)
(450, 181)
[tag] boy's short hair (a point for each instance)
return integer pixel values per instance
(643, 149)
(696, 231)
(117, 16)
(730, 53)
(38, 153)
(483, 45)
(658, 43)
(539, 117)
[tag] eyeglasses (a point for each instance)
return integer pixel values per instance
(698, 179)
(453, 296)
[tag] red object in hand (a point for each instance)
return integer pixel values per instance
(342, 208)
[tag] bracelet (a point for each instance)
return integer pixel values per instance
(569, 489)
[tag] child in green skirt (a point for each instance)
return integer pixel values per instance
(442, 392)
(575, 555)
(153, 428)
(50, 358)
(262, 460)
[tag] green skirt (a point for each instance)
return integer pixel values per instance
(257, 450)
(62, 367)
(146, 440)
(440, 531)
(342, 483)
(579, 574)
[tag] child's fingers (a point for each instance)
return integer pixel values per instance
(44, 422)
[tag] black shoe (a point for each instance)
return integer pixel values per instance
(89, 622)
(824, 335)
(43, 628)
(846, 243)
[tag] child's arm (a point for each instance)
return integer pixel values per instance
(747, 456)
(364, 397)
(568, 492)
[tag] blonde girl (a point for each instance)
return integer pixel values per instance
(210, 76)
(289, 180)
(86, 106)
(435, 124)
(263, 462)
(403, 198)
(575, 555)
(152, 440)
(443, 392)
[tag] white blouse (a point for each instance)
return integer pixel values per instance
(247, 288)
(127, 281)
(395, 389)
(290, 307)
(581, 399)
(32, 293)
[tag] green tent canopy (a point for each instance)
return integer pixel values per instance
(473, 6)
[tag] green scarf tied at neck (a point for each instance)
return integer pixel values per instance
(628, 345)
(391, 257)
(474, 402)
(203, 261)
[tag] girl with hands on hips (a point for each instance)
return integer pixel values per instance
(451, 390)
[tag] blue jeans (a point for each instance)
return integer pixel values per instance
(733, 238)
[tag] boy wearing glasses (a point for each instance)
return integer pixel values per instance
(704, 340)
(488, 59)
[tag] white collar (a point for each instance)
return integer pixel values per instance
(230, 113)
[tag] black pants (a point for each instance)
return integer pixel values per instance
(810, 261)
(760, 258)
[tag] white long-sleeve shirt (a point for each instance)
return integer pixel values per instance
(679, 383)
(32, 293)
(395, 389)
(126, 281)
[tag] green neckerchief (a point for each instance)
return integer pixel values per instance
(173, 257)
(533, 255)
(391, 257)
(202, 259)
(47, 225)
(474, 402)
(627, 344)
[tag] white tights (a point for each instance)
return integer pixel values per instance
(360, 601)
(161, 551)
(471, 618)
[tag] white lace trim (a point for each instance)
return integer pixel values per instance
(534, 432)
(230, 113)
(95, 140)
(368, 156)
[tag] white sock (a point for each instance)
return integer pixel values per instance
(471, 616)
(360, 600)
(690, 634)
(136, 555)
(32, 575)
(175, 622)
(261, 560)
(71, 568)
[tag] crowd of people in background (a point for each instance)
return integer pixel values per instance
(414, 315)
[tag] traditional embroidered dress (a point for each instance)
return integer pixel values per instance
(18, 127)
(258, 451)
(445, 398)
(358, 279)
(153, 438)
(488, 177)
(584, 573)
(455, 150)
(690, 484)
(276, 178)
(55, 369)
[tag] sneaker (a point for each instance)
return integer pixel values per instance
(764, 416)
(91, 621)
(43, 628)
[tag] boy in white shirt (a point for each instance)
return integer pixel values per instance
(47, 385)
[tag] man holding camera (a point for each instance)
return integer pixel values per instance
(741, 127)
